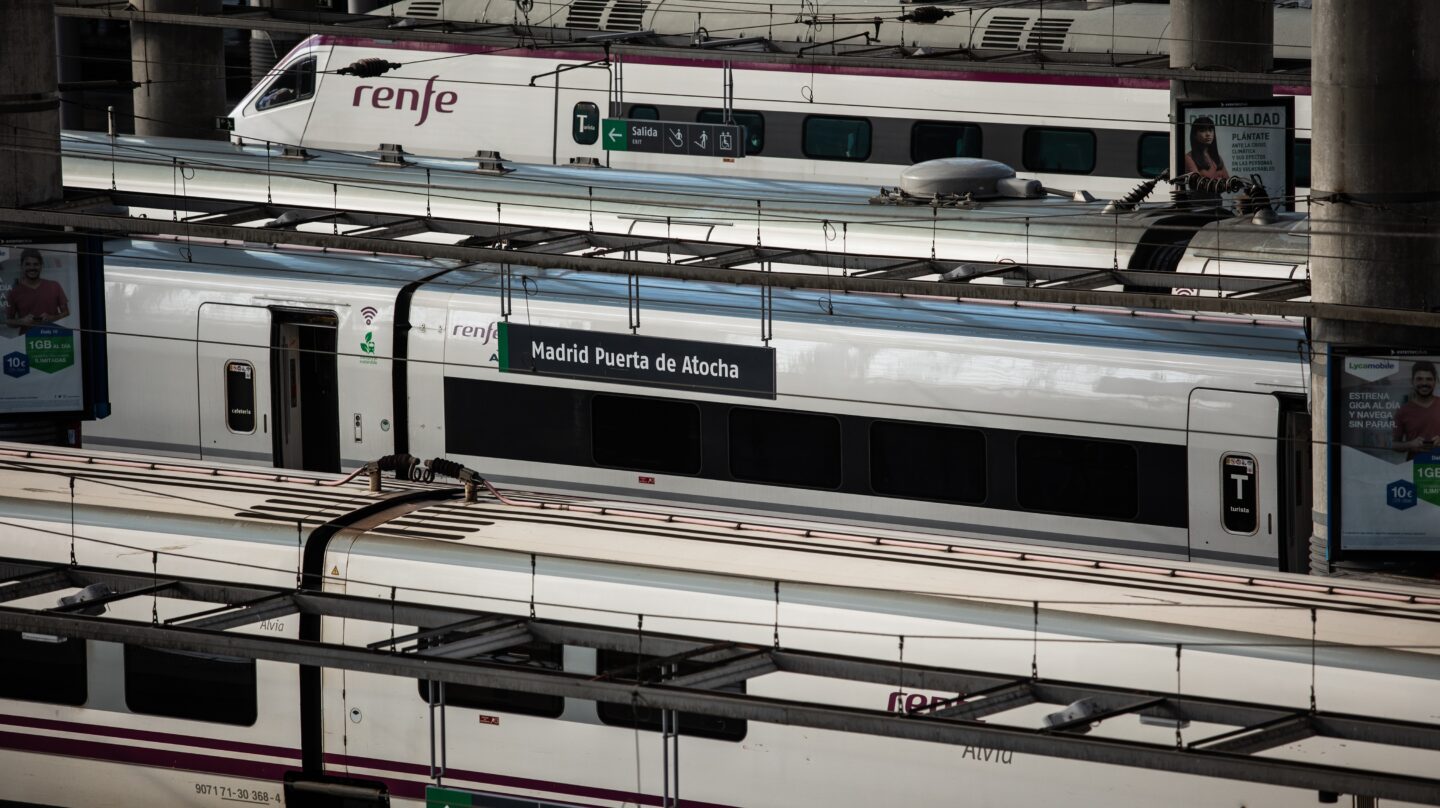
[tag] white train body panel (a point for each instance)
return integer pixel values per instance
(1244, 638)
(452, 101)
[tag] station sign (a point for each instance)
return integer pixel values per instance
(673, 137)
(702, 367)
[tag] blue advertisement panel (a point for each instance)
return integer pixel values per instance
(1387, 423)
(52, 338)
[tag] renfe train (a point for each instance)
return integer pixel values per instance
(537, 101)
(90, 722)
(1112, 430)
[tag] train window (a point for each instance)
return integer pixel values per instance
(536, 655)
(295, 83)
(932, 140)
(543, 424)
(182, 684)
(752, 123)
(585, 123)
(1076, 476)
(830, 138)
(240, 396)
(1300, 158)
(1239, 498)
(785, 448)
(923, 461)
(40, 668)
(1153, 155)
(644, 112)
(632, 714)
(647, 434)
(1059, 151)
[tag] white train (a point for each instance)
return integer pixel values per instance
(543, 102)
(1103, 429)
(87, 722)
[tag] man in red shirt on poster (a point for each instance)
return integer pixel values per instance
(1417, 422)
(34, 300)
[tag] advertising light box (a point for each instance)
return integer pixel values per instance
(52, 340)
(1387, 423)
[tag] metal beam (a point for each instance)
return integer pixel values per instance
(1269, 735)
(1214, 757)
(126, 226)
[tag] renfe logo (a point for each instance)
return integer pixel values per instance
(408, 98)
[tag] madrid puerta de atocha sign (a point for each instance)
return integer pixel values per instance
(707, 367)
(1386, 417)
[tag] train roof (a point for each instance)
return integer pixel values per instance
(175, 505)
(1152, 331)
(328, 167)
(299, 264)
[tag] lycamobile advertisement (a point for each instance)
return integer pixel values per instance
(39, 346)
(1389, 432)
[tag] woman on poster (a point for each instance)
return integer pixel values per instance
(1204, 155)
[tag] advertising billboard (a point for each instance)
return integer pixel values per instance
(1222, 139)
(50, 347)
(1387, 424)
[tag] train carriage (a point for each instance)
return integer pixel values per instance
(101, 720)
(1097, 429)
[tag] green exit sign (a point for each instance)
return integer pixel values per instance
(437, 797)
(673, 137)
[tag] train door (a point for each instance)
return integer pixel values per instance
(232, 359)
(307, 398)
(1234, 477)
(581, 103)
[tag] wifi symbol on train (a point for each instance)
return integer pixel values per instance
(369, 313)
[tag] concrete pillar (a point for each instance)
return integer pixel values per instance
(181, 71)
(29, 105)
(267, 47)
(1236, 35)
(1376, 104)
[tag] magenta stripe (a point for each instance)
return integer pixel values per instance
(1050, 79)
(413, 788)
(215, 744)
(144, 756)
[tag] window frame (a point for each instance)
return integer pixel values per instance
(254, 398)
(313, 61)
(783, 413)
(744, 127)
(699, 436)
(805, 138)
(1020, 490)
(984, 461)
(979, 137)
(1140, 153)
(1035, 130)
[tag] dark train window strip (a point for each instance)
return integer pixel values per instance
(42, 668)
(990, 468)
(536, 655)
(183, 684)
(636, 716)
(1059, 151)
